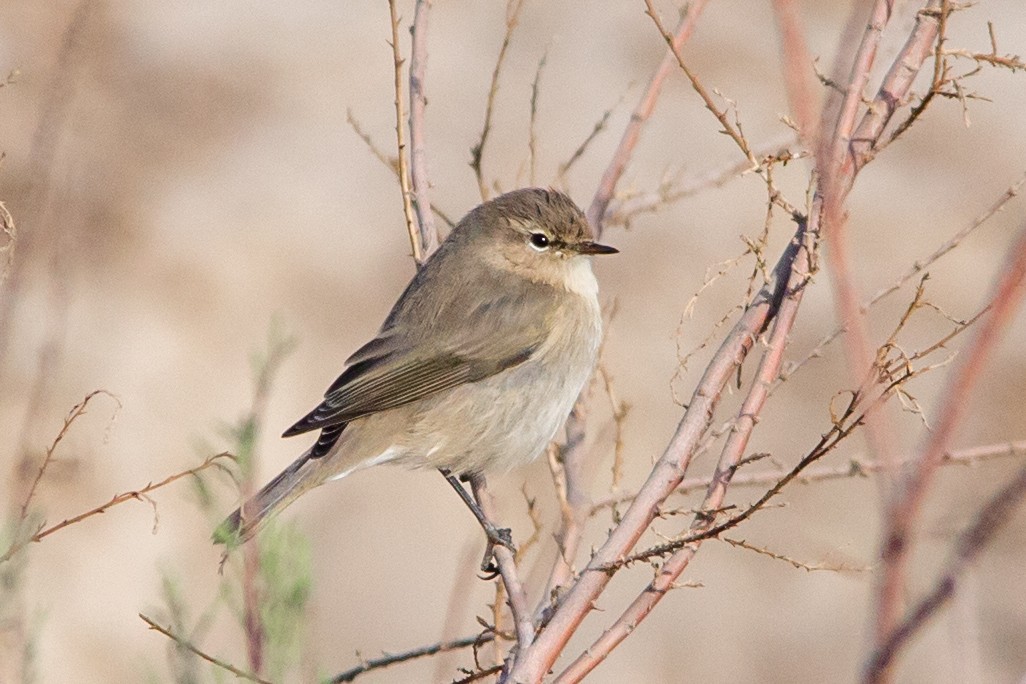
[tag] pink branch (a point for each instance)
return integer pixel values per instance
(733, 451)
(906, 509)
(571, 528)
(418, 156)
(622, 155)
(797, 68)
(666, 475)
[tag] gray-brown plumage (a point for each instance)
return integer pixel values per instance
(476, 366)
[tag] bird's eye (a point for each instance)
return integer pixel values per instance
(539, 241)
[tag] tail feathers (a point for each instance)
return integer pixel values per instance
(247, 520)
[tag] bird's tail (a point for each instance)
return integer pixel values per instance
(247, 520)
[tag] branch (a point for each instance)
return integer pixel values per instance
(418, 155)
(797, 69)
(730, 458)
(568, 464)
(138, 495)
(988, 521)
(667, 473)
(855, 467)
(508, 569)
(513, 8)
(917, 268)
(607, 186)
(403, 171)
(209, 658)
(76, 411)
(390, 164)
(394, 658)
(904, 512)
(730, 130)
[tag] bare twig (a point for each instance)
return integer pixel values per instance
(621, 210)
(394, 658)
(731, 130)
(508, 569)
(205, 656)
(532, 135)
(666, 474)
(855, 467)
(797, 69)
(389, 163)
(419, 176)
(513, 8)
(76, 411)
(991, 518)
(137, 495)
(905, 510)
(400, 136)
(797, 564)
(622, 156)
(917, 268)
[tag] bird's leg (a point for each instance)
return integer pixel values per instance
(496, 536)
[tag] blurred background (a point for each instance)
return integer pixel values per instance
(184, 183)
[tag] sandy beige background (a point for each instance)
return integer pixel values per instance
(197, 179)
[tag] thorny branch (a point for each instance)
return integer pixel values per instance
(905, 509)
(183, 643)
(400, 135)
(394, 658)
(632, 133)
(76, 411)
(513, 8)
(117, 499)
(418, 155)
(988, 521)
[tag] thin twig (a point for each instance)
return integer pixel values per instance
(76, 411)
(904, 513)
(988, 521)
(513, 8)
(508, 569)
(797, 69)
(532, 135)
(917, 268)
(621, 210)
(393, 658)
(137, 495)
(400, 136)
(854, 467)
(631, 134)
(389, 163)
(205, 656)
(419, 176)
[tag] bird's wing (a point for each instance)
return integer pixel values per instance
(426, 357)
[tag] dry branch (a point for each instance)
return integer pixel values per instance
(905, 510)
(419, 176)
(117, 499)
(389, 659)
(400, 136)
(620, 158)
(205, 656)
(988, 521)
(513, 8)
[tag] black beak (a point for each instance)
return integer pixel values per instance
(595, 248)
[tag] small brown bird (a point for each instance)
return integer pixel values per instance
(477, 365)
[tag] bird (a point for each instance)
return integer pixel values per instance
(477, 365)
